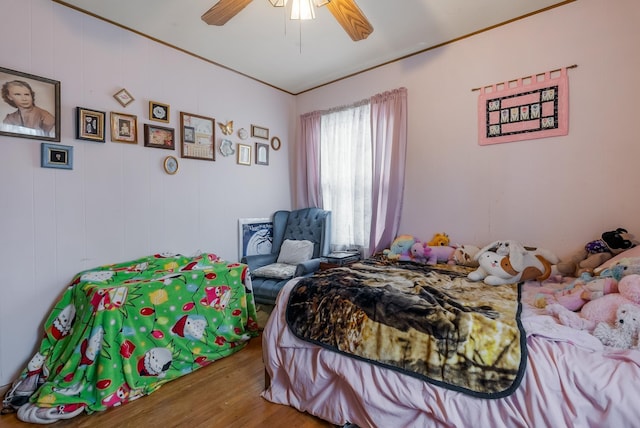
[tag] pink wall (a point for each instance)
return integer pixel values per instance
(557, 192)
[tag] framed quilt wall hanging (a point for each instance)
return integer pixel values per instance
(524, 109)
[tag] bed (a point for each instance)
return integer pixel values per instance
(565, 377)
(121, 331)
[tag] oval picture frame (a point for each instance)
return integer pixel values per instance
(171, 165)
(275, 143)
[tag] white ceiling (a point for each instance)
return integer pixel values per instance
(295, 56)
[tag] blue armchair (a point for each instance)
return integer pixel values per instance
(311, 224)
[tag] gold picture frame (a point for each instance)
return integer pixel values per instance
(124, 128)
(159, 111)
(171, 165)
(90, 124)
(244, 154)
(45, 98)
(259, 132)
(197, 136)
(123, 97)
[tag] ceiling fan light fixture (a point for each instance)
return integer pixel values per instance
(278, 3)
(302, 9)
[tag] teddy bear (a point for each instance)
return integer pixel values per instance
(602, 309)
(596, 252)
(506, 262)
(400, 248)
(431, 255)
(439, 239)
(624, 333)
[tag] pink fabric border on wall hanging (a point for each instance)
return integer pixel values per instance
(524, 109)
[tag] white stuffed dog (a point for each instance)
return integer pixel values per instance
(624, 333)
(506, 262)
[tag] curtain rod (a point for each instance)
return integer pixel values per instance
(525, 77)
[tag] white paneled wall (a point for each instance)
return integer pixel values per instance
(117, 203)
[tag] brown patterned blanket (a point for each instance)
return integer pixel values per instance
(426, 321)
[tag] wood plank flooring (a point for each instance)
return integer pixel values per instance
(223, 394)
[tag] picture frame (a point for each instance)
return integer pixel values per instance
(44, 122)
(276, 143)
(90, 124)
(244, 154)
(159, 137)
(262, 154)
(123, 97)
(56, 156)
(197, 136)
(170, 165)
(259, 132)
(124, 128)
(159, 111)
(255, 236)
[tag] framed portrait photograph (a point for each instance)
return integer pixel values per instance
(255, 236)
(124, 128)
(90, 124)
(262, 154)
(158, 111)
(259, 132)
(56, 156)
(244, 154)
(159, 137)
(30, 106)
(198, 136)
(123, 97)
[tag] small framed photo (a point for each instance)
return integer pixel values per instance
(123, 97)
(244, 154)
(90, 124)
(262, 154)
(56, 156)
(255, 236)
(124, 128)
(30, 106)
(259, 132)
(159, 137)
(170, 165)
(198, 136)
(158, 111)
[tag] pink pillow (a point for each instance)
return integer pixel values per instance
(627, 254)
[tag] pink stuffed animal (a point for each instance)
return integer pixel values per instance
(602, 309)
(431, 254)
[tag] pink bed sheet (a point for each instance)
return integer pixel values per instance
(571, 380)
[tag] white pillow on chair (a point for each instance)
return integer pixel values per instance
(276, 270)
(293, 252)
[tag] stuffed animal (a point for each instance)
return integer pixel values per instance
(597, 252)
(464, 255)
(577, 293)
(505, 262)
(400, 248)
(602, 309)
(431, 255)
(439, 239)
(624, 333)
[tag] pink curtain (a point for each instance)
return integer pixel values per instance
(389, 137)
(308, 189)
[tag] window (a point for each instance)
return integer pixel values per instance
(346, 174)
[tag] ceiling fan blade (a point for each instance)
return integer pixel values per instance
(223, 11)
(349, 15)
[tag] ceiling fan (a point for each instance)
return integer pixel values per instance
(346, 12)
